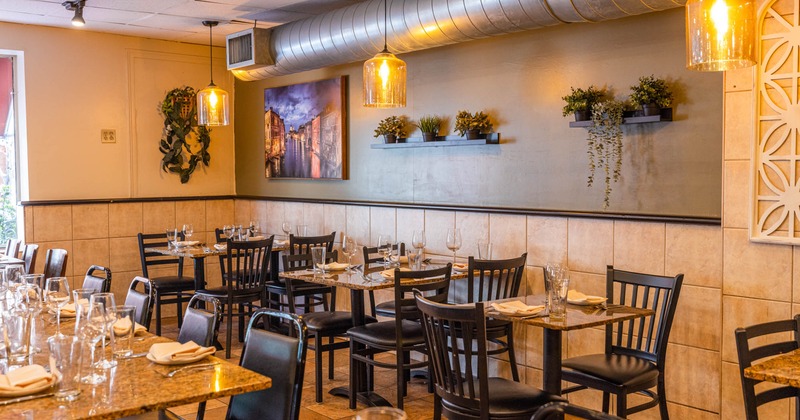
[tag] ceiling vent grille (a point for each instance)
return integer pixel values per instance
(249, 49)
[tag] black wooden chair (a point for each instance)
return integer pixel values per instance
(55, 263)
(455, 337)
(29, 252)
(775, 334)
(556, 411)
(167, 289)
(276, 356)
(247, 264)
(635, 350)
(492, 280)
(12, 248)
(98, 283)
(402, 335)
(371, 256)
(141, 300)
(299, 245)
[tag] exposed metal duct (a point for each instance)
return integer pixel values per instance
(355, 33)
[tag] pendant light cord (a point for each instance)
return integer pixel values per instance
(385, 25)
(211, 54)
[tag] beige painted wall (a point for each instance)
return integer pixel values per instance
(79, 82)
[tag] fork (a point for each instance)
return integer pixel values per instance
(203, 366)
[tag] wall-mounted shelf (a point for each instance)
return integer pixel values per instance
(631, 118)
(441, 141)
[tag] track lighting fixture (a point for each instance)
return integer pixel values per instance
(77, 7)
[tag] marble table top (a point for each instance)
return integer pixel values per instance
(783, 369)
(371, 280)
(199, 251)
(135, 386)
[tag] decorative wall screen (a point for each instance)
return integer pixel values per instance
(775, 215)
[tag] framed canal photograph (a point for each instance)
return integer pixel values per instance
(304, 128)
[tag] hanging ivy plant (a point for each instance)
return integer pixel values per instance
(180, 125)
(605, 143)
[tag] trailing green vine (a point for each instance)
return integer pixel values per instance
(605, 143)
(180, 123)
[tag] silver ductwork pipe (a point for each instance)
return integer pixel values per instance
(355, 33)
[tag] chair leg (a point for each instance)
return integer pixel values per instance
(372, 302)
(228, 332)
(318, 367)
(622, 404)
(437, 407)
(158, 313)
(353, 376)
(401, 378)
(331, 340)
(201, 411)
(606, 402)
(512, 358)
(430, 378)
(662, 399)
(179, 309)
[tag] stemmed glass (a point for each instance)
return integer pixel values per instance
(454, 241)
(349, 248)
(56, 295)
(385, 248)
(188, 231)
(255, 228)
(286, 227)
(13, 275)
(228, 231)
(418, 239)
(91, 326)
(107, 315)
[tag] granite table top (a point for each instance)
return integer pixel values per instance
(783, 369)
(135, 386)
(200, 251)
(370, 280)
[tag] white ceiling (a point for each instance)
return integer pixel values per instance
(173, 20)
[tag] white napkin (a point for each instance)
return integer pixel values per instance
(123, 327)
(576, 296)
(401, 259)
(460, 267)
(334, 266)
(280, 242)
(255, 238)
(186, 243)
(220, 247)
(516, 307)
(174, 351)
(70, 309)
(389, 274)
(26, 377)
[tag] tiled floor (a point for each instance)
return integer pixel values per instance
(418, 403)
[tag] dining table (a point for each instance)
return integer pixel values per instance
(136, 385)
(782, 369)
(363, 279)
(577, 317)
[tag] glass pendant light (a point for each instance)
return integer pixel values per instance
(212, 102)
(384, 77)
(720, 34)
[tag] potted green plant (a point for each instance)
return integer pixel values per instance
(472, 124)
(651, 94)
(580, 102)
(605, 143)
(391, 128)
(429, 126)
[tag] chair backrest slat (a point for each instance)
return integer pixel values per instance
(101, 283)
(371, 254)
(248, 263)
(201, 323)
(141, 300)
(29, 253)
(303, 244)
(148, 259)
(55, 263)
(494, 279)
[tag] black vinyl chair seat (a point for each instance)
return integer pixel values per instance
(511, 399)
(384, 334)
(172, 283)
(385, 308)
(619, 369)
(243, 295)
(331, 320)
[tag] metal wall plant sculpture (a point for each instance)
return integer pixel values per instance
(181, 154)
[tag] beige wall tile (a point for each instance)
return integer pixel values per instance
(474, 228)
(52, 223)
(409, 220)
(754, 269)
(241, 212)
(86, 253)
(585, 342)
(120, 282)
(695, 251)
(90, 221)
(739, 122)
(534, 344)
(335, 219)
(293, 212)
(733, 401)
(547, 240)
(695, 304)
(258, 212)
(124, 254)
(124, 219)
(193, 212)
(735, 194)
(588, 283)
(639, 247)
(690, 369)
(28, 212)
(358, 223)
(508, 235)
(436, 224)
(796, 274)
(533, 281)
(314, 217)
(382, 221)
(158, 216)
(275, 217)
(219, 213)
(742, 312)
(591, 244)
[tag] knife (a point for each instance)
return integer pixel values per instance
(26, 398)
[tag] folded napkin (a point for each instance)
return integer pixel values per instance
(401, 259)
(516, 307)
(389, 274)
(334, 266)
(186, 243)
(123, 327)
(460, 267)
(26, 377)
(280, 242)
(70, 309)
(578, 297)
(256, 238)
(220, 247)
(166, 352)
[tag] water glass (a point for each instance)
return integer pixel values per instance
(103, 313)
(123, 331)
(302, 230)
(37, 279)
(56, 295)
(484, 250)
(551, 271)
(65, 357)
(172, 235)
(17, 335)
(228, 231)
(13, 275)
(414, 256)
(318, 259)
(558, 297)
(91, 327)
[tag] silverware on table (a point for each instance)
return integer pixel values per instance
(26, 398)
(202, 366)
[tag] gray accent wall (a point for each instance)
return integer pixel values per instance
(672, 169)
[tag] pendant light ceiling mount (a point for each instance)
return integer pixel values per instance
(77, 7)
(384, 75)
(212, 102)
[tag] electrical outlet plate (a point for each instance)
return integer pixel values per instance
(108, 135)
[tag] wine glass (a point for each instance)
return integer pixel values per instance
(255, 228)
(286, 227)
(107, 314)
(454, 241)
(91, 327)
(418, 239)
(13, 276)
(56, 295)
(188, 231)
(385, 248)
(350, 248)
